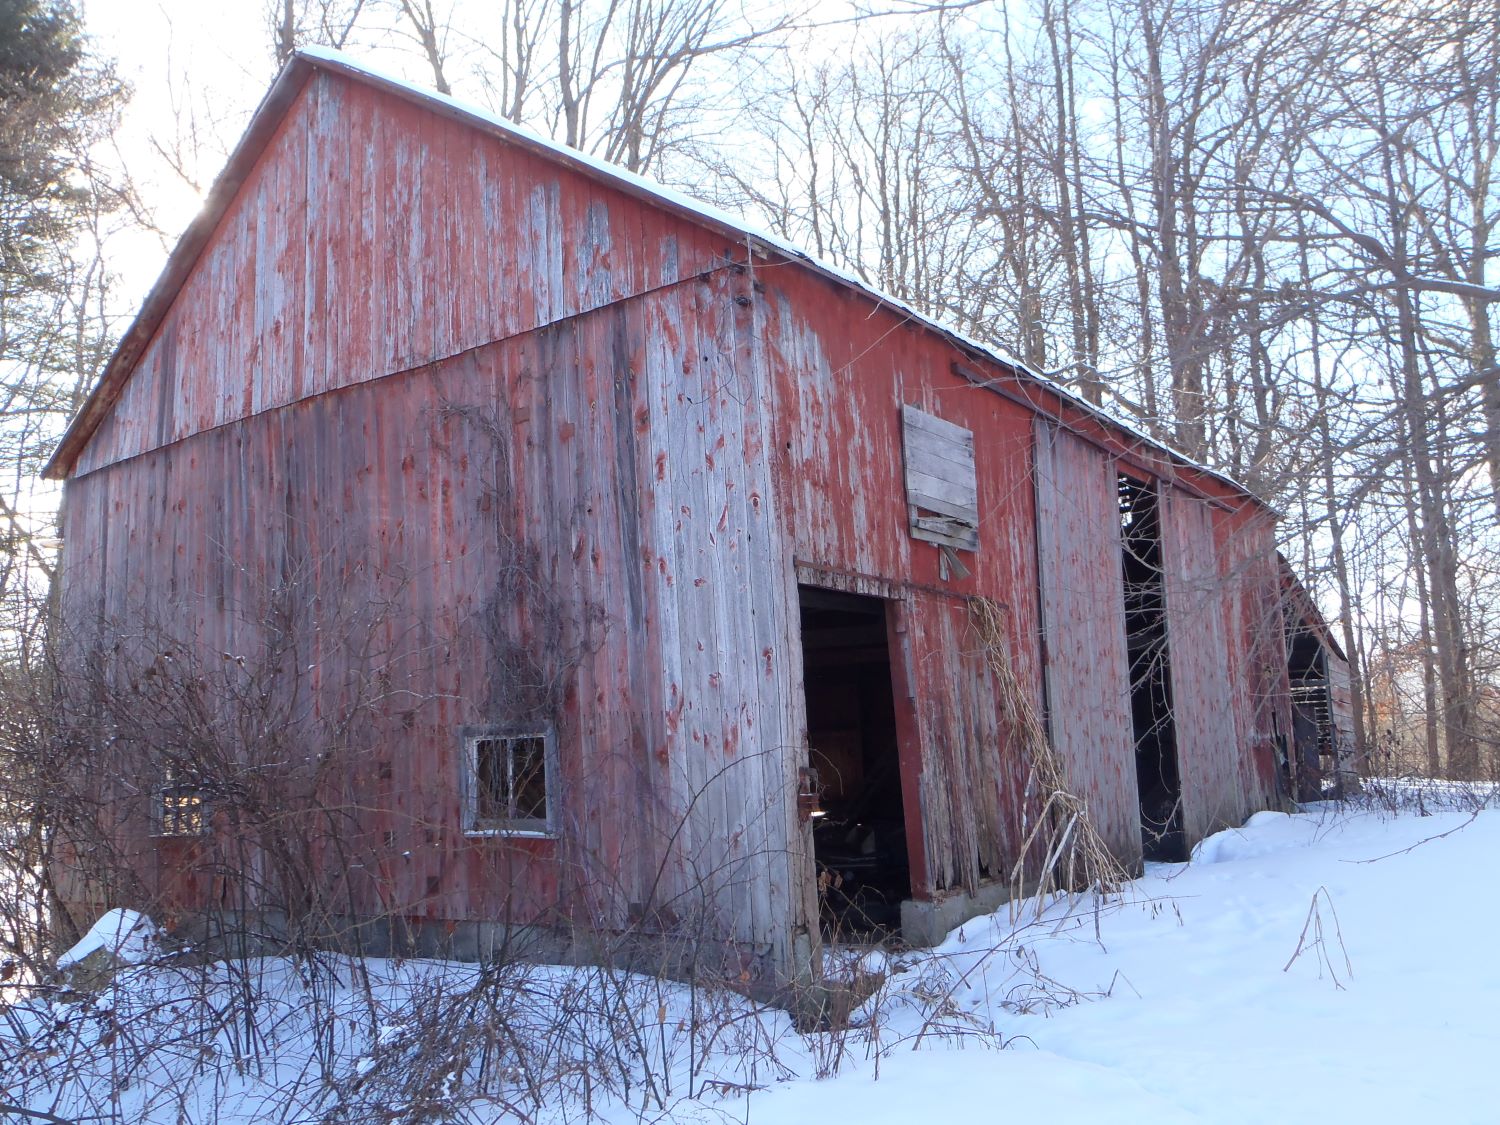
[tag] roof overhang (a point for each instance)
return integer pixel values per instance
(1308, 614)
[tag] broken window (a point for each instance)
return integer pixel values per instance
(942, 491)
(180, 810)
(511, 778)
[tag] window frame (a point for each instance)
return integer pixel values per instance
(521, 827)
(169, 825)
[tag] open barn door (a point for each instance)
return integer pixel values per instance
(860, 833)
(1083, 632)
(1157, 770)
(1208, 739)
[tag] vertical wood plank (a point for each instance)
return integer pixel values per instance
(1208, 746)
(1083, 629)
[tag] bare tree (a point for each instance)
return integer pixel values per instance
(296, 23)
(627, 80)
(58, 105)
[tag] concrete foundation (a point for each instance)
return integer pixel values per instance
(925, 924)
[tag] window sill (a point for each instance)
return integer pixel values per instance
(511, 833)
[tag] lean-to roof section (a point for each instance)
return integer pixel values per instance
(1052, 399)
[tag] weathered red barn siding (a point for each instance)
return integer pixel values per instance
(409, 512)
(372, 237)
(1083, 626)
(623, 443)
(969, 785)
(724, 582)
(841, 378)
(418, 364)
(1260, 688)
(603, 444)
(1222, 743)
(842, 371)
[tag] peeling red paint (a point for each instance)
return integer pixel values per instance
(653, 392)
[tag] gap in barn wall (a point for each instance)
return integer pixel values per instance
(1158, 774)
(1312, 713)
(860, 832)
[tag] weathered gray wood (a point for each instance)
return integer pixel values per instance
(723, 589)
(943, 506)
(957, 494)
(945, 531)
(946, 461)
(915, 418)
(940, 479)
(1208, 739)
(1087, 669)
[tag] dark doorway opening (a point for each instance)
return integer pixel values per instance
(1316, 771)
(859, 838)
(1157, 776)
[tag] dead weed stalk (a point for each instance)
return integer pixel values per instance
(1061, 851)
(1315, 941)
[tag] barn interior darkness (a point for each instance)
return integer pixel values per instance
(1157, 774)
(1312, 718)
(859, 840)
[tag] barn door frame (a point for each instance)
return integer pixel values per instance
(904, 706)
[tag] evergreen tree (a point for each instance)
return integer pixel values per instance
(40, 52)
(57, 101)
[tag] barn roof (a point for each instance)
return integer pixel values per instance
(1309, 616)
(278, 101)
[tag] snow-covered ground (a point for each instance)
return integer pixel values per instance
(125, 935)
(1317, 967)
(1327, 966)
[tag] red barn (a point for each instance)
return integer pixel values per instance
(627, 558)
